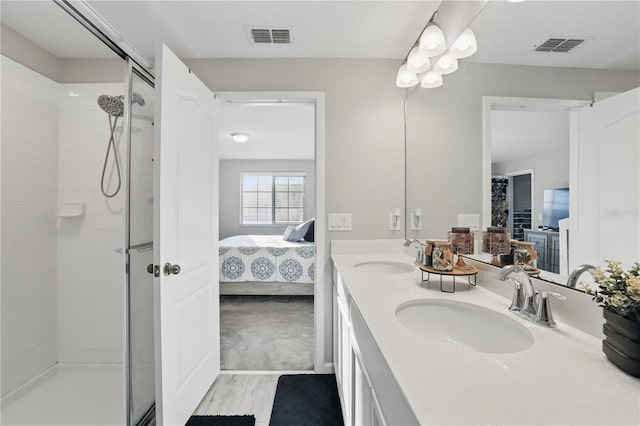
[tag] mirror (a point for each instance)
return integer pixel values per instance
(448, 167)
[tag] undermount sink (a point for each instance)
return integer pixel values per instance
(386, 267)
(474, 327)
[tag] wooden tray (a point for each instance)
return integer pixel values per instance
(469, 270)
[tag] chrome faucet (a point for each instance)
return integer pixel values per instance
(419, 247)
(543, 314)
(525, 304)
(576, 273)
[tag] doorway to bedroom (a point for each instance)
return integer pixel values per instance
(267, 248)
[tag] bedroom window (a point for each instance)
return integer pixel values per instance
(271, 199)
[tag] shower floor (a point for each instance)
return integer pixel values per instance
(72, 396)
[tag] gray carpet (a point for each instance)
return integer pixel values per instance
(262, 333)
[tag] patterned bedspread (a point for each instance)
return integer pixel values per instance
(266, 258)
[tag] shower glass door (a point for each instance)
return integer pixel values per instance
(140, 345)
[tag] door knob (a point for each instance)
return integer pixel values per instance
(171, 269)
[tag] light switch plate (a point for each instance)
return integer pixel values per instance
(416, 222)
(339, 222)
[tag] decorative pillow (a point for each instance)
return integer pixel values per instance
(309, 235)
(299, 232)
(288, 233)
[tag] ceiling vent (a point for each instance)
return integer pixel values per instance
(264, 35)
(560, 44)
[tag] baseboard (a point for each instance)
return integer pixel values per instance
(267, 372)
(27, 387)
(256, 288)
(327, 368)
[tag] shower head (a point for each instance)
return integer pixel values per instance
(112, 105)
(136, 98)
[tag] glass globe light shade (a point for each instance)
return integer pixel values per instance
(446, 64)
(465, 46)
(406, 78)
(417, 62)
(432, 42)
(431, 80)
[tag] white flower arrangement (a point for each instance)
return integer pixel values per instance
(618, 290)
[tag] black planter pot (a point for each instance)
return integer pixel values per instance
(622, 342)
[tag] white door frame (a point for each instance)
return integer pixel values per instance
(317, 98)
(540, 104)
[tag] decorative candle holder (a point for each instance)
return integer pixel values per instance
(461, 243)
(442, 259)
(495, 241)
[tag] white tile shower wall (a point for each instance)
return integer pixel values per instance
(90, 271)
(28, 214)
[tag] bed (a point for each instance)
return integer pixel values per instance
(266, 264)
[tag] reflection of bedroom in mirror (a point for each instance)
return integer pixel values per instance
(267, 249)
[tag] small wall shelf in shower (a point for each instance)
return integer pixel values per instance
(71, 210)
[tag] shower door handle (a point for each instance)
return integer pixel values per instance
(171, 269)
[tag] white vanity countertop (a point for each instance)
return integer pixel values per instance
(563, 378)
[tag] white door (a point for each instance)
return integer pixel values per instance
(187, 330)
(608, 193)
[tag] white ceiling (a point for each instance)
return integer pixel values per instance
(517, 134)
(277, 131)
(506, 32)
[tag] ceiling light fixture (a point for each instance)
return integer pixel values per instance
(239, 137)
(428, 60)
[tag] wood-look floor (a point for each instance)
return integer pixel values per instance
(238, 394)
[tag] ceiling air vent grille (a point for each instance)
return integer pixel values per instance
(559, 44)
(270, 35)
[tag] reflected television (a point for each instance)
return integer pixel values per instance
(555, 207)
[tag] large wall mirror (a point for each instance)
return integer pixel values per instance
(516, 113)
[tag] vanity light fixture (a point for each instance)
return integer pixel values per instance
(239, 137)
(428, 60)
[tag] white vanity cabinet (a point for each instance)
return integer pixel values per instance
(358, 394)
(342, 353)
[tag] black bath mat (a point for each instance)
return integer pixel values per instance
(306, 400)
(221, 421)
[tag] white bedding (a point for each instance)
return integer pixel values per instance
(266, 258)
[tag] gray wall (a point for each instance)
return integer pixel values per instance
(444, 131)
(29, 54)
(230, 193)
